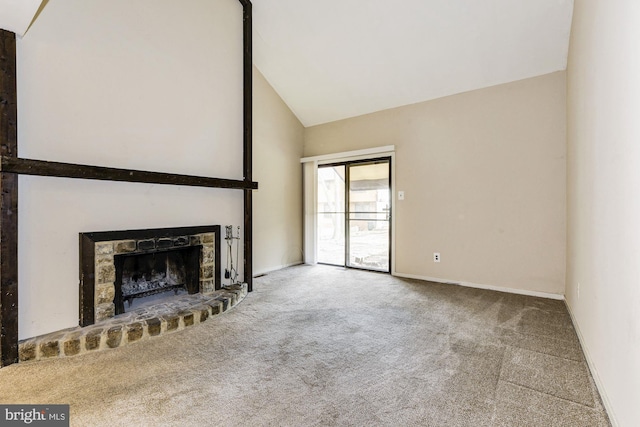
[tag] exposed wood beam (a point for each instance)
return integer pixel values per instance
(16, 165)
(247, 141)
(8, 202)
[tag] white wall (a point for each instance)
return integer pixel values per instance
(484, 179)
(145, 84)
(603, 268)
(277, 204)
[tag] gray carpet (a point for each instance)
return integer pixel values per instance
(324, 346)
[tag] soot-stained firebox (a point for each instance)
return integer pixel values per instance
(141, 276)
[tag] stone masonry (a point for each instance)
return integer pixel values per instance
(106, 271)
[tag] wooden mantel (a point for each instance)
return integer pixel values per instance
(11, 166)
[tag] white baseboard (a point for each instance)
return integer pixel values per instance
(480, 286)
(594, 372)
(275, 268)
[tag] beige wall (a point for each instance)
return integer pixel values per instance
(484, 179)
(278, 138)
(145, 85)
(603, 245)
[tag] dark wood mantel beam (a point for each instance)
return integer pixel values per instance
(15, 165)
(8, 202)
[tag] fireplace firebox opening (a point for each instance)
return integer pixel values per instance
(148, 277)
(120, 269)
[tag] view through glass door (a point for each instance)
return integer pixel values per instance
(354, 214)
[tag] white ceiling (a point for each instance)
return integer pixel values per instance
(16, 15)
(333, 59)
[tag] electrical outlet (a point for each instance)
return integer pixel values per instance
(436, 257)
(400, 195)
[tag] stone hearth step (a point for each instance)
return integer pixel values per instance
(124, 329)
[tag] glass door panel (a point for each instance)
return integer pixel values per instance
(369, 215)
(331, 215)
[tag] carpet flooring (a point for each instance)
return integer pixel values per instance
(326, 346)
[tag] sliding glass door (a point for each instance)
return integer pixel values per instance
(354, 214)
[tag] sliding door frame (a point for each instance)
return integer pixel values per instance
(388, 159)
(310, 197)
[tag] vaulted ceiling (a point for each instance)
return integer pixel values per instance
(334, 59)
(16, 15)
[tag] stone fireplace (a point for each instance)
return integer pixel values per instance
(118, 267)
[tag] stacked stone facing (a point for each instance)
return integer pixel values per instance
(106, 271)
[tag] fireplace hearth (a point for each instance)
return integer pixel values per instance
(118, 268)
(143, 323)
